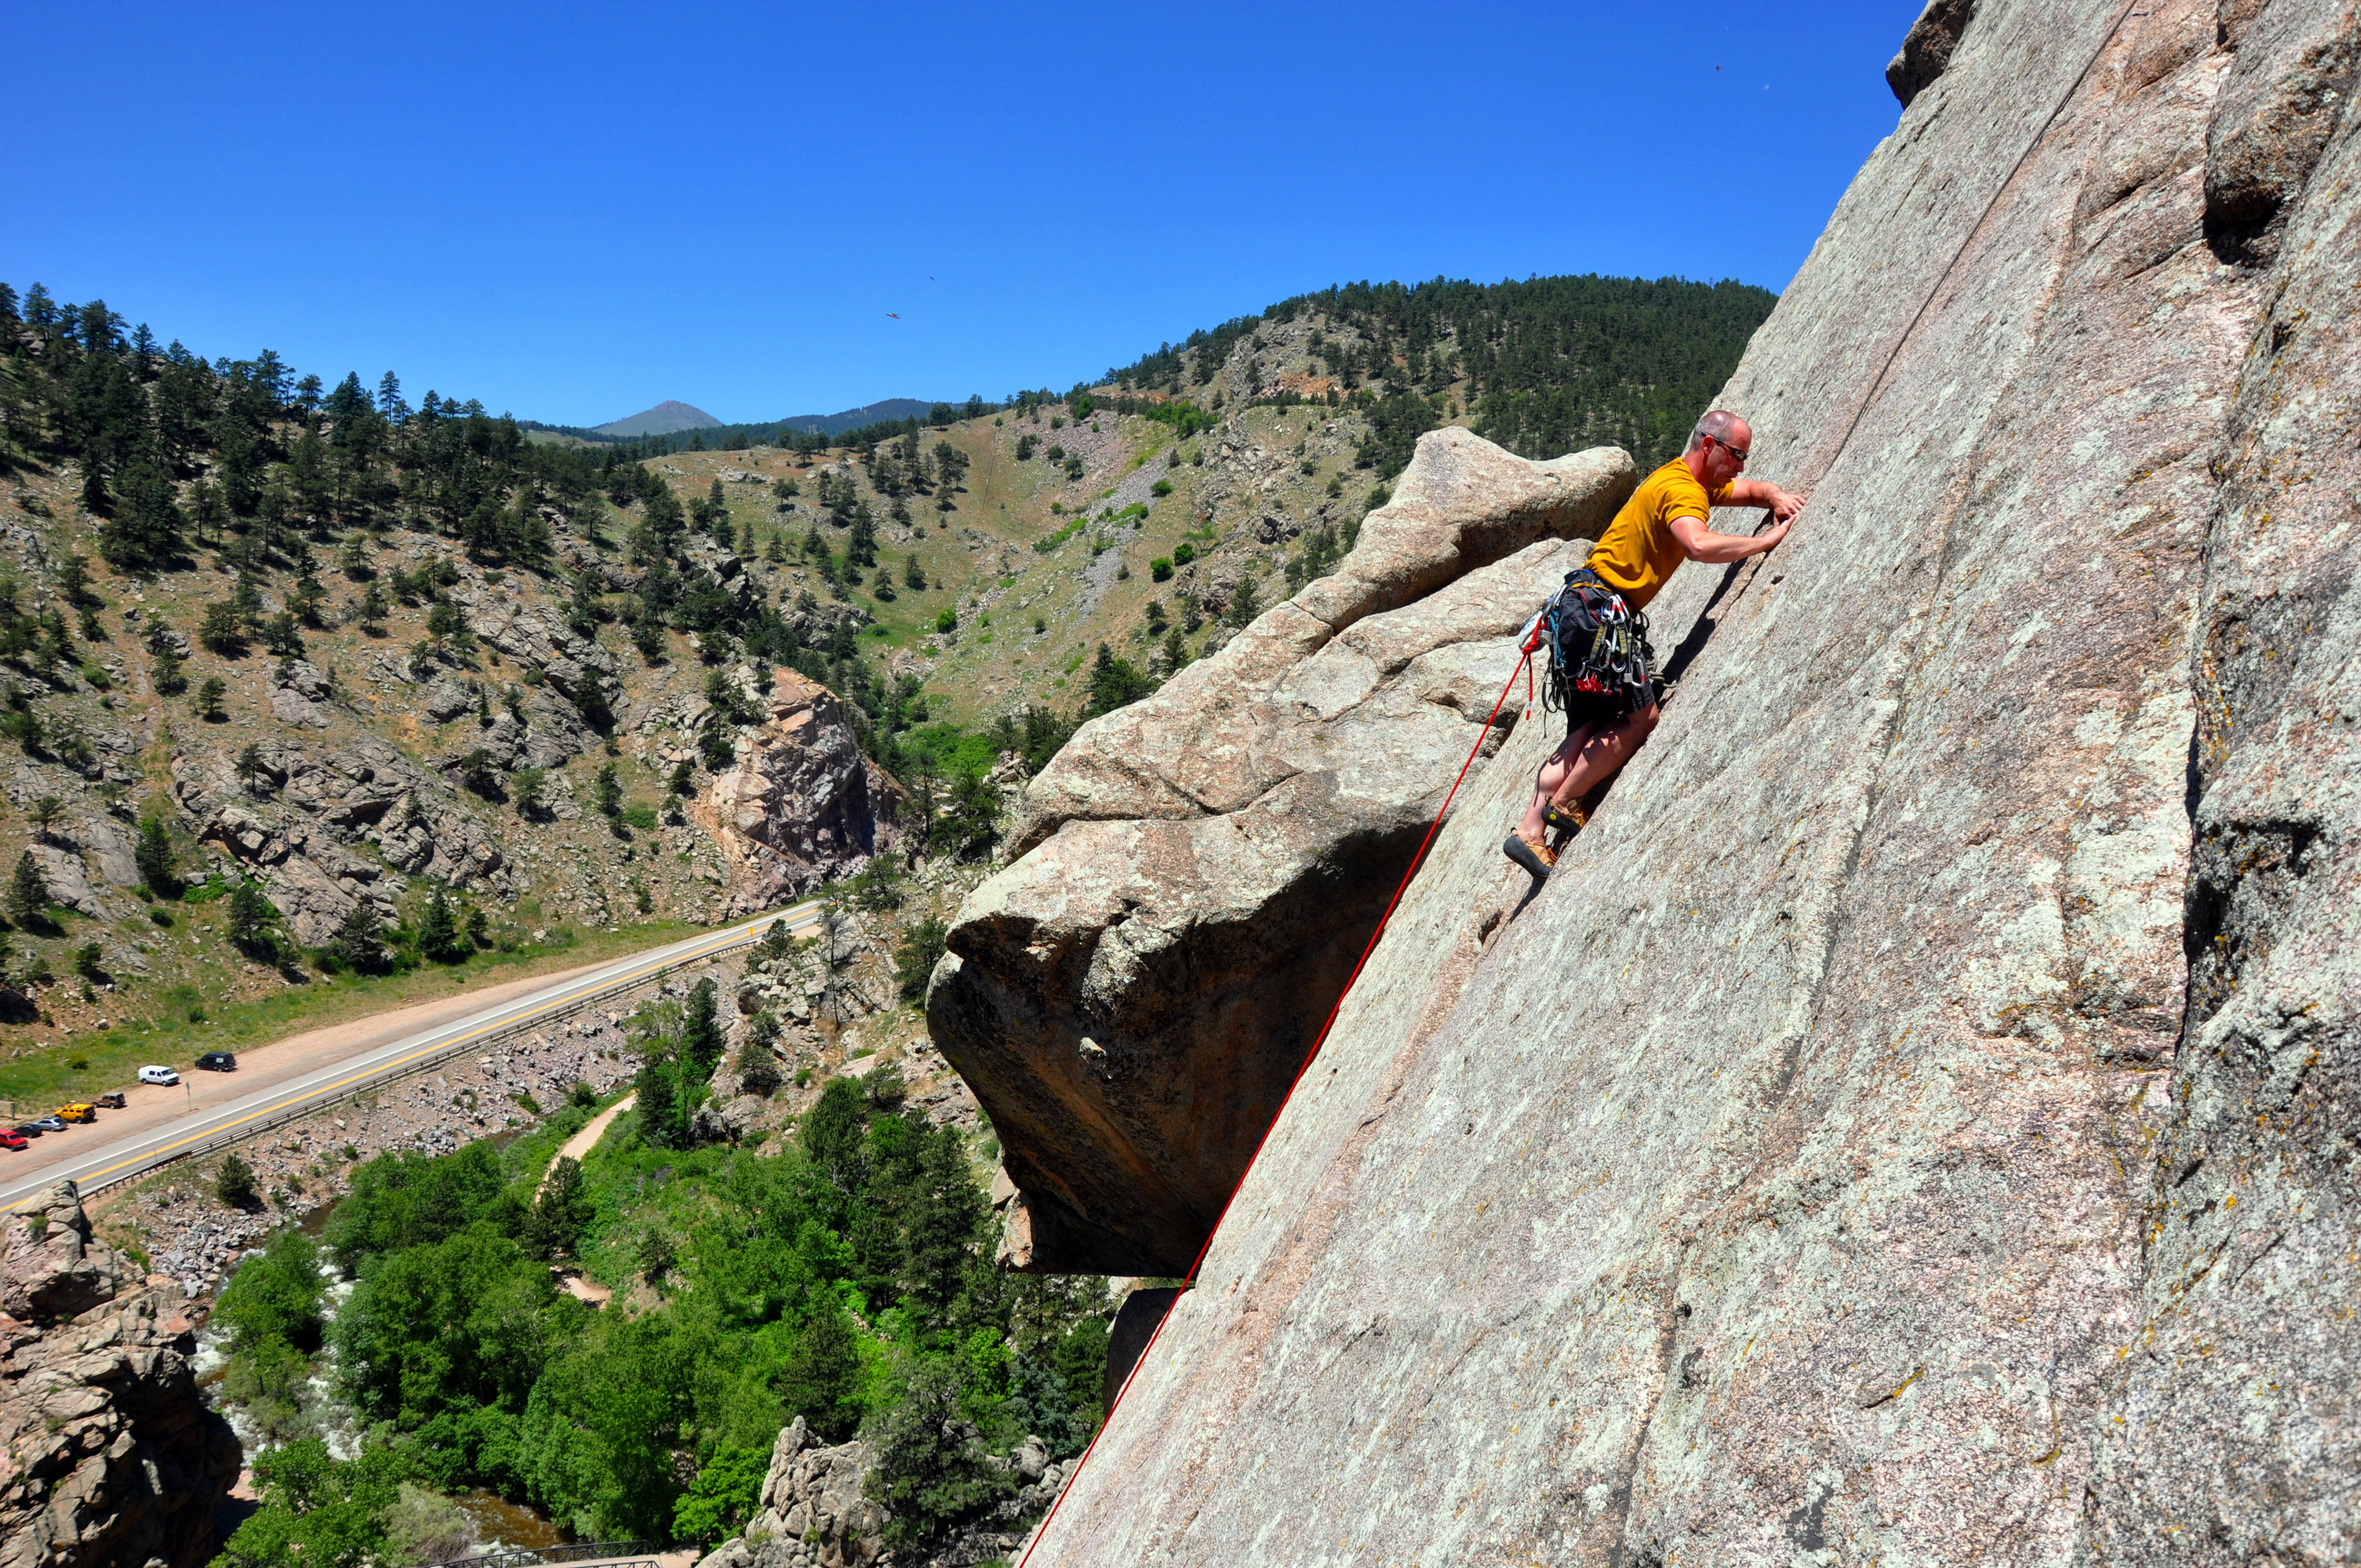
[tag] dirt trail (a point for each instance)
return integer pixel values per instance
(575, 1147)
(583, 1142)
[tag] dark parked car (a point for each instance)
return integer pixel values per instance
(218, 1062)
(109, 1101)
(28, 1130)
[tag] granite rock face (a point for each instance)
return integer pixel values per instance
(801, 803)
(1918, 1122)
(1130, 1000)
(111, 1457)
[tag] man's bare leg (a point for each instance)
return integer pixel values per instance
(1590, 756)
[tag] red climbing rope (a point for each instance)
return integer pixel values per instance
(1525, 663)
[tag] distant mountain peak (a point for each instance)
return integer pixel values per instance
(661, 420)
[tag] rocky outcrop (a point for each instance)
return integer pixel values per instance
(537, 637)
(814, 1513)
(298, 693)
(1131, 1000)
(293, 827)
(112, 1457)
(1918, 1119)
(1927, 48)
(801, 805)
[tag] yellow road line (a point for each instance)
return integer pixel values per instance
(727, 939)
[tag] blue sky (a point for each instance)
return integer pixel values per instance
(573, 213)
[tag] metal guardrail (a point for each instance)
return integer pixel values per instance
(399, 1070)
(578, 1551)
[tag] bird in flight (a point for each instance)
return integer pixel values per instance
(895, 315)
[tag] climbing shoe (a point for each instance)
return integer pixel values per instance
(1565, 820)
(1536, 859)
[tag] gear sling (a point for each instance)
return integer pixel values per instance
(1601, 666)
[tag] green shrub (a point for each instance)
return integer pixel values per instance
(234, 1182)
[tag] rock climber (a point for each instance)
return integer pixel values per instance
(1602, 668)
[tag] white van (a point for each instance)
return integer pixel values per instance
(158, 1075)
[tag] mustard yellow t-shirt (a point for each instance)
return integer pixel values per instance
(1637, 552)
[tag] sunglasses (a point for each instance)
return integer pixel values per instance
(1726, 447)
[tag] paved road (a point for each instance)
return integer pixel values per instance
(133, 1155)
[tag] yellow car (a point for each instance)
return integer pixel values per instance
(81, 1111)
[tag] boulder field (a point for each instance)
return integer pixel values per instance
(1916, 1123)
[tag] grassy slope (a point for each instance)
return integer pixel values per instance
(979, 558)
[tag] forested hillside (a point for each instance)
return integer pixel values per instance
(844, 1279)
(1543, 366)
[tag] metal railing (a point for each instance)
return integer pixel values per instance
(577, 1552)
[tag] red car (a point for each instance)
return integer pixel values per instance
(10, 1138)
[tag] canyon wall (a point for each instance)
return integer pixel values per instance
(1916, 1123)
(111, 1454)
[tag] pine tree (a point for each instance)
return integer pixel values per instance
(234, 1183)
(222, 629)
(438, 932)
(209, 700)
(562, 1210)
(822, 1377)
(29, 893)
(359, 939)
(700, 1031)
(943, 1215)
(607, 791)
(593, 700)
(1115, 682)
(584, 605)
(659, 1099)
(251, 916)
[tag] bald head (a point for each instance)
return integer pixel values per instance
(1725, 427)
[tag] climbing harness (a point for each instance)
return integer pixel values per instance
(1601, 660)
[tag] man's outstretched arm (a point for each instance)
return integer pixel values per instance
(1703, 544)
